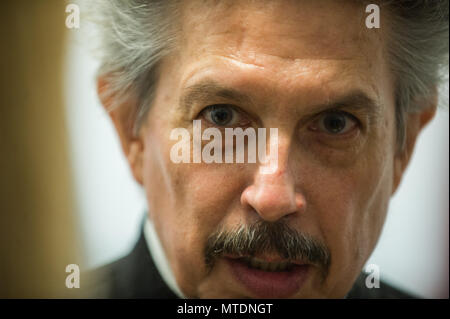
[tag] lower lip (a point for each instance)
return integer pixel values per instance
(266, 284)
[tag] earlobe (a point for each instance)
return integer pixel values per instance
(134, 158)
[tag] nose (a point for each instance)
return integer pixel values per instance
(274, 196)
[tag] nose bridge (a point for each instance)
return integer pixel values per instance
(272, 194)
(274, 161)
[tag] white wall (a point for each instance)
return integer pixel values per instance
(110, 203)
(413, 249)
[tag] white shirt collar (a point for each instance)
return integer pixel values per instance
(159, 258)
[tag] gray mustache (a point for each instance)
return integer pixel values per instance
(267, 237)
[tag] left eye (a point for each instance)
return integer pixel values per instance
(221, 115)
(336, 123)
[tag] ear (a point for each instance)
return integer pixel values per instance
(123, 117)
(414, 123)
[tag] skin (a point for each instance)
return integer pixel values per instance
(290, 58)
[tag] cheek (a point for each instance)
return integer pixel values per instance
(187, 202)
(350, 206)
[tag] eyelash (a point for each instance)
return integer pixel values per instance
(353, 118)
(235, 110)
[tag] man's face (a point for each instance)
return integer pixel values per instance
(310, 69)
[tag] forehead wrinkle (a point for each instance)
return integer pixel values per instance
(244, 31)
(242, 47)
(253, 58)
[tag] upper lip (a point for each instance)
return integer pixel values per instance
(267, 258)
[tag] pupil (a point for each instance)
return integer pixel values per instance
(334, 123)
(221, 115)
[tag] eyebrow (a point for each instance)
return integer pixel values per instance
(207, 90)
(356, 100)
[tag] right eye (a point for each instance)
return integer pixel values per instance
(222, 115)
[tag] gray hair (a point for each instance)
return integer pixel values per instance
(133, 35)
(136, 34)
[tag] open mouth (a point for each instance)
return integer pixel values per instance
(274, 266)
(268, 278)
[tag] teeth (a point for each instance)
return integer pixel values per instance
(267, 266)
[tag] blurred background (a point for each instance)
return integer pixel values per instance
(67, 194)
(38, 215)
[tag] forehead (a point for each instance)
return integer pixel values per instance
(318, 43)
(285, 28)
